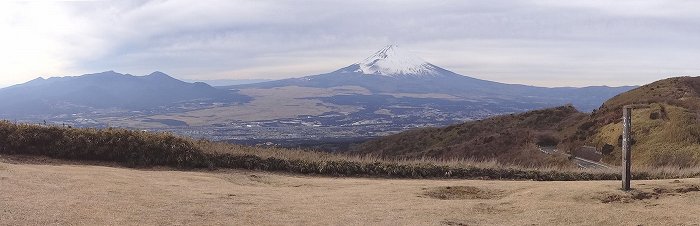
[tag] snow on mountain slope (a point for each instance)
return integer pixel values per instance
(393, 62)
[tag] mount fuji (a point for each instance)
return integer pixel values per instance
(394, 62)
(392, 70)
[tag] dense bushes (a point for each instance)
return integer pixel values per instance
(132, 148)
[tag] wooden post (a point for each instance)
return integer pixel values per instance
(626, 147)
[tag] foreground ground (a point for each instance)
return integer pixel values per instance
(44, 194)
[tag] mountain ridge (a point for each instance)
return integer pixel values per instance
(443, 81)
(104, 90)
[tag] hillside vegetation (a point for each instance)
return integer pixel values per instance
(666, 131)
(509, 139)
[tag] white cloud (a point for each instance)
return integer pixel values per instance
(542, 42)
(632, 8)
(28, 45)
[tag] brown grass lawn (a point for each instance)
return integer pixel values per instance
(44, 194)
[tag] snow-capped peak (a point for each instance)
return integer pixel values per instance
(392, 61)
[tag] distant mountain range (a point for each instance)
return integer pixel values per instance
(106, 90)
(385, 93)
(392, 70)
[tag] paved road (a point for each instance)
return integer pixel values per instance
(585, 163)
(549, 150)
(580, 162)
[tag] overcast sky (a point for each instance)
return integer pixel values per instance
(536, 42)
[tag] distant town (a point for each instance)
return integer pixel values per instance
(303, 131)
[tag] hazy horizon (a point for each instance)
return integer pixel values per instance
(222, 82)
(533, 42)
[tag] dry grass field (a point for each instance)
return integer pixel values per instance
(269, 104)
(66, 194)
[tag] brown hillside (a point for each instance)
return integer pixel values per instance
(665, 125)
(508, 139)
(666, 131)
(681, 91)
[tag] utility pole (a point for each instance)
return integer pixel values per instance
(626, 147)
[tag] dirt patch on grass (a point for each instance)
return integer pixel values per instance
(460, 192)
(646, 193)
(262, 179)
(688, 188)
(457, 223)
(628, 198)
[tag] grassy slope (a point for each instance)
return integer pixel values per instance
(663, 141)
(666, 131)
(508, 139)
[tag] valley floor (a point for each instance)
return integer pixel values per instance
(45, 194)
